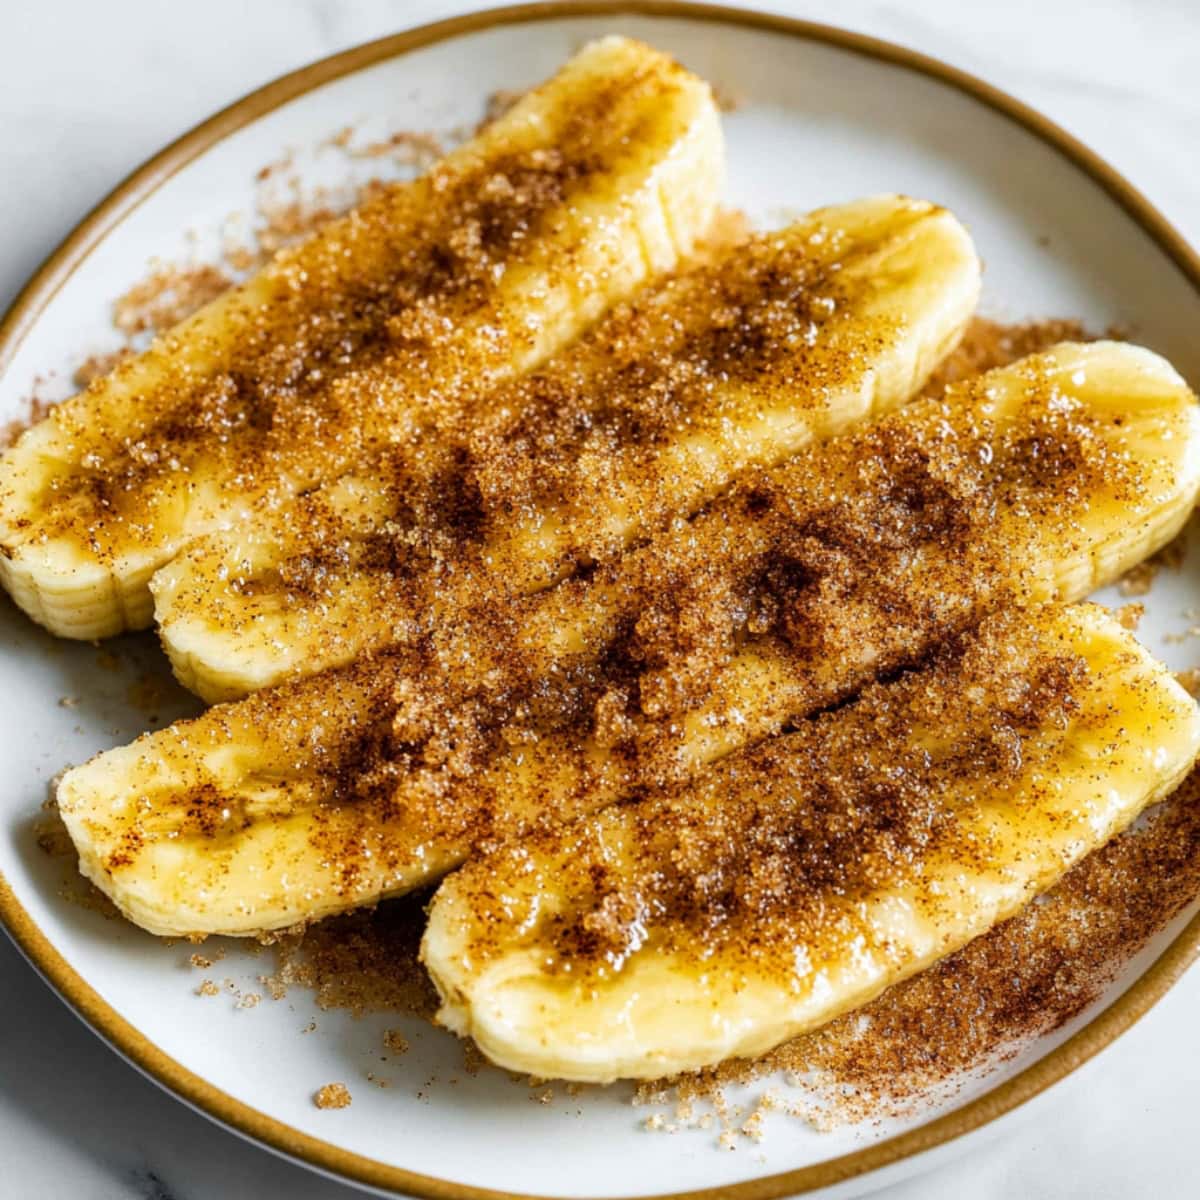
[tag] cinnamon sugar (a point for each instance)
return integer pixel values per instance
(1138, 580)
(1022, 979)
(971, 1012)
(412, 148)
(1189, 680)
(988, 344)
(365, 961)
(36, 409)
(419, 267)
(333, 1095)
(497, 104)
(1013, 980)
(97, 365)
(166, 297)
(395, 1041)
(1130, 615)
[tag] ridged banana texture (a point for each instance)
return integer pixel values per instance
(373, 332)
(788, 338)
(788, 594)
(799, 880)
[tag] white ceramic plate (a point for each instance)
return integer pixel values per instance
(821, 117)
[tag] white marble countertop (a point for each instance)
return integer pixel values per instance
(88, 90)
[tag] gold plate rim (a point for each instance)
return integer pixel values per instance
(134, 1046)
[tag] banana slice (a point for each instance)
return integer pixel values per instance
(799, 880)
(372, 332)
(788, 338)
(784, 596)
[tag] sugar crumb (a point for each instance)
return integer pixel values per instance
(1129, 616)
(1189, 680)
(332, 1095)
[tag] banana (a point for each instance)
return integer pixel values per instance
(787, 594)
(785, 339)
(373, 332)
(799, 880)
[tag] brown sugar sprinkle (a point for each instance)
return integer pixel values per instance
(389, 920)
(36, 409)
(1130, 615)
(365, 961)
(165, 298)
(208, 988)
(408, 147)
(1027, 977)
(555, 439)
(332, 1095)
(419, 748)
(728, 100)
(988, 344)
(771, 842)
(1140, 579)
(595, 418)
(497, 104)
(52, 839)
(49, 831)
(1189, 680)
(372, 306)
(101, 364)
(395, 1041)
(385, 947)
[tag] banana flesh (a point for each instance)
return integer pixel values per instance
(799, 880)
(786, 595)
(373, 332)
(785, 339)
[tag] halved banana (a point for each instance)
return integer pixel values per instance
(372, 332)
(789, 593)
(789, 337)
(799, 880)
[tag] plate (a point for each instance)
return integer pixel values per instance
(817, 116)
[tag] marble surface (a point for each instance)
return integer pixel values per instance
(88, 90)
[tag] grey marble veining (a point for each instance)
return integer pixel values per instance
(88, 90)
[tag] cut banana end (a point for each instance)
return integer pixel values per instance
(376, 329)
(215, 824)
(798, 881)
(785, 596)
(788, 338)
